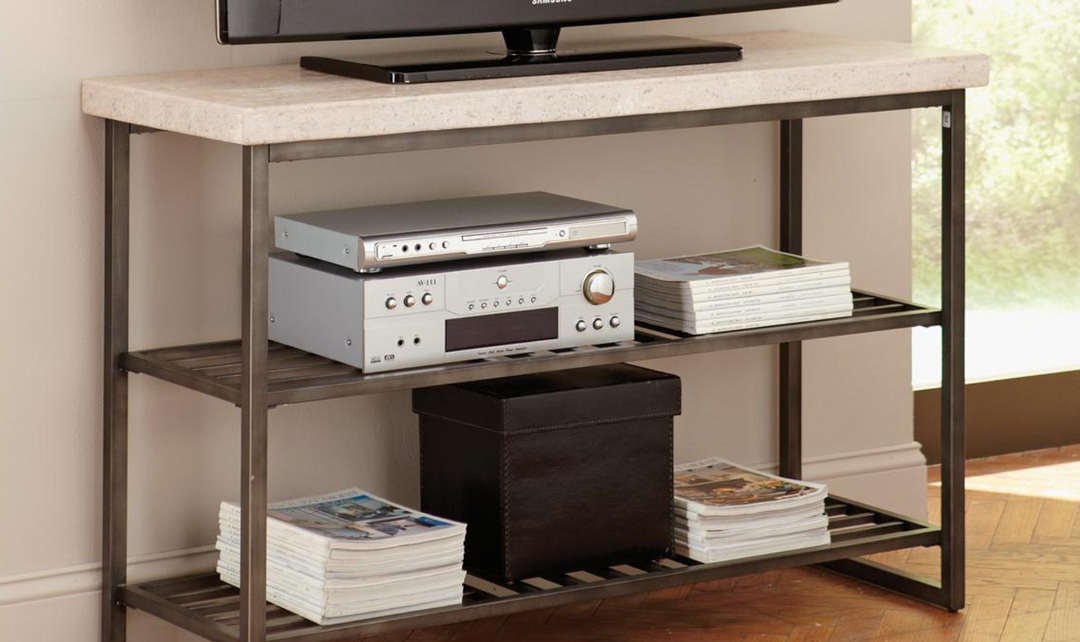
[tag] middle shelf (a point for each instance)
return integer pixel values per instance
(296, 376)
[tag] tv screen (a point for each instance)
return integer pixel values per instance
(530, 29)
(254, 21)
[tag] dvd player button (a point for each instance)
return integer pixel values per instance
(483, 306)
(521, 301)
(432, 246)
(391, 303)
(598, 323)
(615, 321)
(581, 325)
(410, 301)
(471, 306)
(502, 282)
(427, 298)
(533, 300)
(446, 245)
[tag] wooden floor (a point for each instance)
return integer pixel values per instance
(1023, 583)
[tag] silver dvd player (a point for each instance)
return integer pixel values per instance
(368, 239)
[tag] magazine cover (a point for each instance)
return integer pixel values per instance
(718, 486)
(355, 518)
(747, 263)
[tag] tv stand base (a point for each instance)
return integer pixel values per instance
(529, 53)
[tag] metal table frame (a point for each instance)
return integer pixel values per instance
(948, 593)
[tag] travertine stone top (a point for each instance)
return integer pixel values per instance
(264, 105)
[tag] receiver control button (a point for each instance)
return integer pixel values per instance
(410, 301)
(615, 321)
(581, 325)
(598, 287)
(502, 282)
(391, 303)
(427, 298)
(598, 323)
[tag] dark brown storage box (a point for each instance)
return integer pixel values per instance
(555, 471)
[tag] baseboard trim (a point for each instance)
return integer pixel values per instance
(1007, 416)
(86, 578)
(871, 461)
(892, 477)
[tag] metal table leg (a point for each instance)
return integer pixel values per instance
(948, 592)
(952, 353)
(115, 382)
(791, 192)
(253, 408)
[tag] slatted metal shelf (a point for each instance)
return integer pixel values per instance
(296, 376)
(204, 605)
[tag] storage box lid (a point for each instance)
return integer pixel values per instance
(553, 400)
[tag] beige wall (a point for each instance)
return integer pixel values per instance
(693, 190)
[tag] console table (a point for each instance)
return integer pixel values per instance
(283, 113)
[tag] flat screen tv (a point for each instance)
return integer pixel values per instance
(530, 30)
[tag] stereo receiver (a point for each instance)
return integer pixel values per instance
(474, 309)
(368, 239)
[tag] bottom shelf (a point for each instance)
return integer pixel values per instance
(208, 607)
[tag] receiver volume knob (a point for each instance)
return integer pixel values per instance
(598, 287)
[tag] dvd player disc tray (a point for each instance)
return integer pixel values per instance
(368, 239)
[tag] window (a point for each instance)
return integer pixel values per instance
(1023, 180)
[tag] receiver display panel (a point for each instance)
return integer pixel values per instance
(508, 328)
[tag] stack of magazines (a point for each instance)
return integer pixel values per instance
(725, 512)
(350, 555)
(740, 289)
